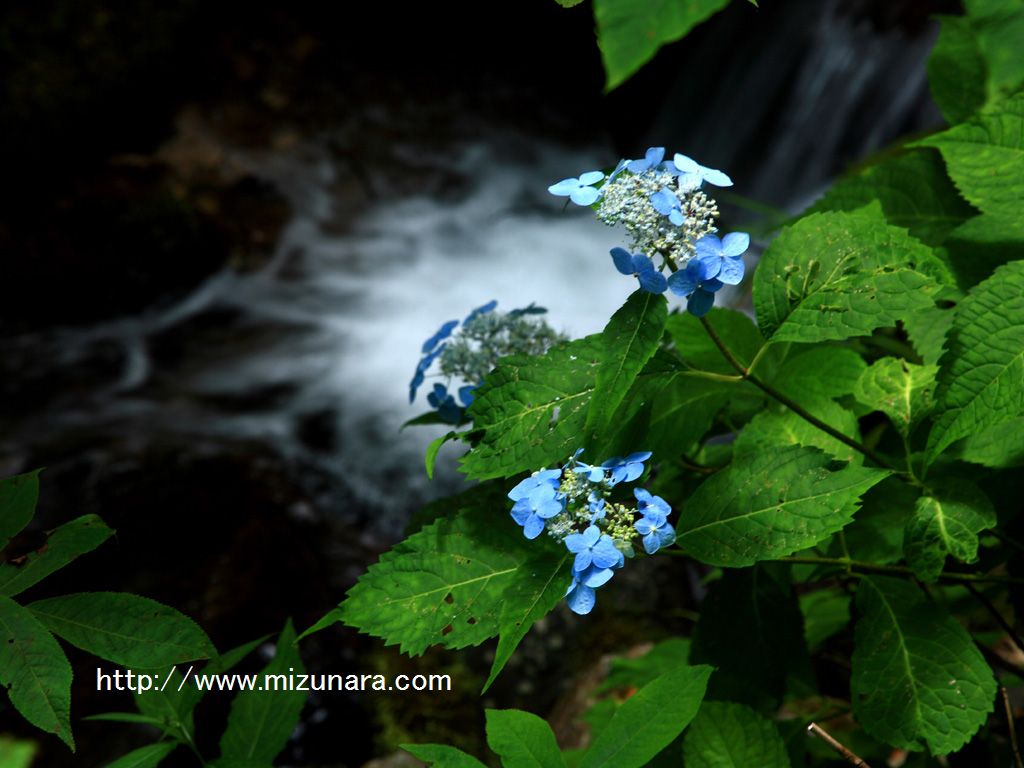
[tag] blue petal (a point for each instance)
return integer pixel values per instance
(521, 513)
(449, 411)
(633, 471)
(582, 561)
(713, 286)
(581, 599)
(688, 182)
(605, 554)
(417, 379)
(686, 164)
(585, 196)
(574, 542)
(481, 310)
(708, 246)
(682, 282)
(623, 260)
(735, 244)
(719, 179)
(676, 217)
(466, 394)
(564, 187)
(664, 201)
(644, 526)
(637, 166)
(596, 577)
(591, 536)
(643, 495)
(549, 509)
(638, 456)
(700, 302)
(438, 396)
(731, 272)
(651, 542)
(654, 156)
(708, 267)
(667, 534)
(534, 526)
(443, 333)
(618, 169)
(652, 281)
(591, 177)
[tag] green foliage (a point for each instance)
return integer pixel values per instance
(62, 546)
(839, 275)
(458, 582)
(697, 349)
(261, 721)
(127, 629)
(442, 756)
(917, 677)
(825, 612)
(533, 409)
(649, 720)
(913, 189)
(522, 740)
(630, 339)
(767, 505)
(630, 32)
(980, 375)
(901, 390)
(730, 735)
(946, 521)
(145, 757)
(35, 671)
(18, 496)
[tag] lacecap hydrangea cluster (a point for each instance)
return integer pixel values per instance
(468, 351)
(574, 505)
(671, 224)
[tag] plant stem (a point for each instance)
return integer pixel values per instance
(1012, 726)
(857, 566)
(849, 756)
(793, 405)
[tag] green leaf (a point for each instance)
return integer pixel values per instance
(876, 533)
(946, 521)
(568, 3)
(430, 459)
(126, 629)
(957, 72)
(981, 376)
(527, 600)
(62, 546)
(826, 612)
(126, 717)
(630, 32)
(757, 660)
(901, 390)
(17, 753)
(765, 506)
(649, 720)
(522, 740)
(638, 671)
(145, 757)
(35, 671)
(777, 426)
(818, 373)
(457, 582)
(533, 409)
(630, 339)
(838, 275)
(918, 678)
(928, 328)
(442, 756)
(18, 496)
(999, 447)
(979, 245)
(684, 408)
(729, 735)
(985, 157)
(261, 721)
(913, 189)
(696, 348)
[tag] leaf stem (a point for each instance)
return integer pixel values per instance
(857, 566)
(793, 405)
(847, 755)
(1011, 725)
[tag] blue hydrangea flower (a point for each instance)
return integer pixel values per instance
(595, 505)
(641, 267)
(592, 547)
(693, 283)
(650, 505)
(581, 190)
(421, 369)
(723, 257)
(656, 532)
(536, 501)
(618, 169)
(594, 474)
(667, 204)
(692, 174)
(652, 159)
(443, 333)
(444, 404)
(580, 594)
(628, 469)
(481, 310)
